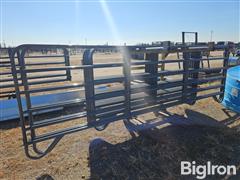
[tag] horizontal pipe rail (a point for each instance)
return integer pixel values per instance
(157, 88)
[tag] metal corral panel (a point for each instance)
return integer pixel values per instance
(233, 61)
(232, 89)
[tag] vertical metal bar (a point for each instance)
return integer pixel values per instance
(179, 65)
(183, 38)
(196, 38)
(186, 57)
(27, 96)
(208, 63)
(178, 56)
(10, 51)
(195, 65)
(89, 85)
(153, 70)
(127, 82)
(226, 54)
(187, 64)
(164, 56)
(202, 64)
(67, 63)
(19, 100)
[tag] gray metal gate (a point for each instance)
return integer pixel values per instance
(135, 93)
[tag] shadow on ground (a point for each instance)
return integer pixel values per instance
(204, 119)
(156, 153)
(195, 117)
(45, 177)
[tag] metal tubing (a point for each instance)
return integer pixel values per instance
(74, 85)
(89, 85)
(226, 54)
(67, 63)
(127, 82)
(27, 96)
(104, 107)
(152, 69)
(19, 101)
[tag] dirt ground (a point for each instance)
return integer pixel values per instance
(72, 157)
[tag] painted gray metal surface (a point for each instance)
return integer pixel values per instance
(101, 107)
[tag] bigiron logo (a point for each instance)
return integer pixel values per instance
(201, 171)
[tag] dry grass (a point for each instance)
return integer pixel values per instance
(157, 155)
(77, 157)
